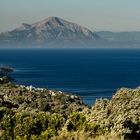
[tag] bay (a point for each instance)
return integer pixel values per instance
(90, 73)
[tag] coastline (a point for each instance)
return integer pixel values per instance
(96, 73)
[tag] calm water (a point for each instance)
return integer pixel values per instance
(91, 73)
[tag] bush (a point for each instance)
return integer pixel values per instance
(77, 121)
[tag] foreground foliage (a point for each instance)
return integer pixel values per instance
(28, 113)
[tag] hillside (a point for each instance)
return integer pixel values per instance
(28, 113)
(121, 39)
(50, 32)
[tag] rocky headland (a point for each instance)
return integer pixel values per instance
(28, 113)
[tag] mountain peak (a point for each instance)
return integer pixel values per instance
(53, 30)
(53, 18)
(51, 21)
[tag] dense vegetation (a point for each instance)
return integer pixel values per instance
(28, 113)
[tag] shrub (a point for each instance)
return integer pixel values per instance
(76, 122)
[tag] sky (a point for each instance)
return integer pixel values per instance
(97, 15)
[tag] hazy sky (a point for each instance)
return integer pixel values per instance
(113, 15)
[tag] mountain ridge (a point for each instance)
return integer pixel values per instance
(121, 39)
(50, 31)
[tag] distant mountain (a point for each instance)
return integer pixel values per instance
(52, 31)
(121, 39)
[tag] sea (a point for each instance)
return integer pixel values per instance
(91, 73)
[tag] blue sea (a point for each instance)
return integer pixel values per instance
(90, 73)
